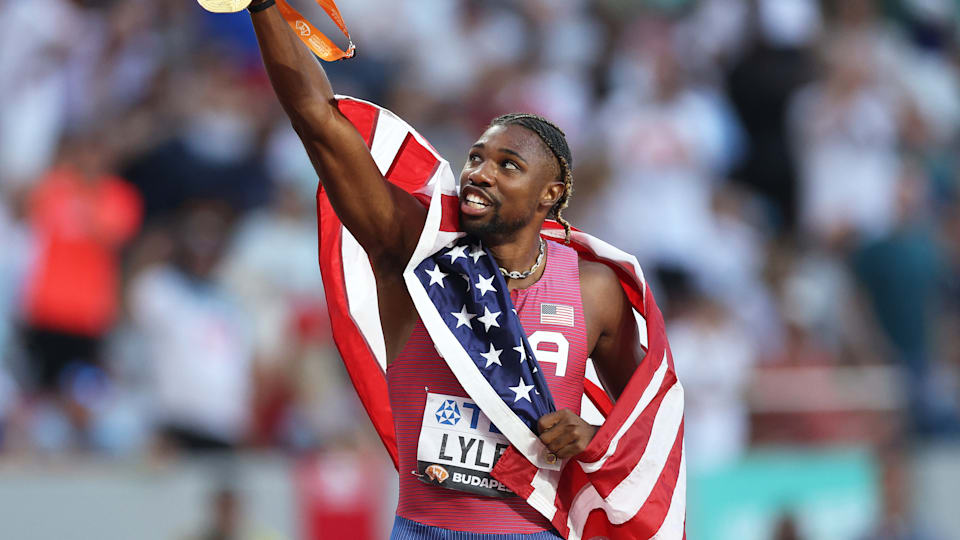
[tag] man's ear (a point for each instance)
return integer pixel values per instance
(551, 194)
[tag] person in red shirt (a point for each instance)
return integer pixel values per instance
(81, 216)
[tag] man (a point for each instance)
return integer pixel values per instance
(516, 175)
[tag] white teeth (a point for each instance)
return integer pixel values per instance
(476, 201)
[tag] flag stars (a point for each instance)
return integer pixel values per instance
(492, 356)
(476, 252)
(436, 276)
(485, 285)
(522, 391)
(456, 253)
(463, 317)
(489, 319)
(522, 351)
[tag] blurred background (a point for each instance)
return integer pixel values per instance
(787, 172)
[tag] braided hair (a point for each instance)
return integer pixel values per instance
(556, 141)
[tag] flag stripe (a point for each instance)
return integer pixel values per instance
(365, 372)
(655, 510)
(674, 524)
(636, 442)
(388, 139)
(362, 116)
(645, 399)
(361, 289)
(664, 512)
(598, 396)
(631, 493)
(620, 414)
(628, 495)
(412, 164)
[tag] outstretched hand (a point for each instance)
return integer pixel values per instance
(565, 433)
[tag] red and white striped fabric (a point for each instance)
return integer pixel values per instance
(630, 483)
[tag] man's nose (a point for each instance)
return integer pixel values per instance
(481, 175)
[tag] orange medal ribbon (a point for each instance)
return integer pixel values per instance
(320, 44)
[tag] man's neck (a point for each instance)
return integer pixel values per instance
(519, 254)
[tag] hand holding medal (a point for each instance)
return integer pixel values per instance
(320, 44)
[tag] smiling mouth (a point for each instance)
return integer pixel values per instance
(475, 201)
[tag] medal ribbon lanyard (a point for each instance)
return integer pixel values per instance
(320, 44)
(314, 39)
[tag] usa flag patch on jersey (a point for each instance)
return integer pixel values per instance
(556, 314)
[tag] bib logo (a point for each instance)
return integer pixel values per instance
(448, 413)
(437, 473)
(303, 28)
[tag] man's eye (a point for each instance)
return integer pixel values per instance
(511, 165)
(473, 158)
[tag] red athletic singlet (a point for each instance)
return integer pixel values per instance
(562, 354)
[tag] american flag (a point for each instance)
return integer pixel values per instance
(466, 288)
(556, 314)
(630, 483)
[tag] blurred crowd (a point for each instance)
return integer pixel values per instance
(785, 170)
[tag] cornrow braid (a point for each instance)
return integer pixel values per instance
(556, 141)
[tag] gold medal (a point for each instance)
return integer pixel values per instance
(224, 6)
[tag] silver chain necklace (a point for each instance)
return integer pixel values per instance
(528, 273)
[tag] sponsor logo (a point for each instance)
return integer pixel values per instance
(478, 481)
(448, 413)
(437, 473)
(303, 28)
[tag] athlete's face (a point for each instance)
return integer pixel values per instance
(510, 181)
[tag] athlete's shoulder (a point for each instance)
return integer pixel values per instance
(598, 280)
(603, 299)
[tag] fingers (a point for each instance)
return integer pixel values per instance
(549, 420)
(564, 433)
(564, 445)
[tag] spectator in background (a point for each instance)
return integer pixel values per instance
(216, 153)
(35, 40)
(904, 274)
(715, 356)
(846, 131)
(895, 518)
(786, 528)
(81, 215)
(14, 257)
(665, 144)
(196, 337)
(271, 268)
(225, 513)
(778, 60)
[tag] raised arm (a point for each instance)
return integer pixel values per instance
(385, 219)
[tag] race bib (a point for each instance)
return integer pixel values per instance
(458, 447)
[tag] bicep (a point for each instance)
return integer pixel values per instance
(617, 356)
(385, 219)
(618, 350)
